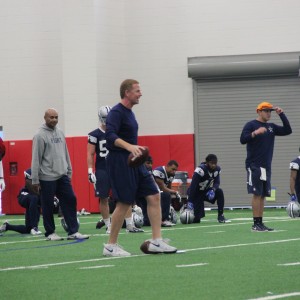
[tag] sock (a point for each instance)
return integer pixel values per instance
(257, 220)
(128, 221)
(107, 222)
(220, 213)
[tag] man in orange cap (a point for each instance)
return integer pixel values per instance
(259, 135)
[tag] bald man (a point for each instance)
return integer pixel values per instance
(51, 172)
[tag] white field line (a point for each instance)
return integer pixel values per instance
(278, 296)
(290, 264)
(192, 265)
(97, 267)
(140, 255)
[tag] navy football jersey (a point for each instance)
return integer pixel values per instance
(97, 138)
(295, 165)
(203, 180)
(160, 173)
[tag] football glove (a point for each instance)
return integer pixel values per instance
(56, 201)
(190, 206)
(210, 195)
(293, 197)
(178, 197)
(2, 185)
(92, 177)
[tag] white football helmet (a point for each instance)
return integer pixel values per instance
(138, 220)
(187, 216)
(64, 224)
(293, 209)
(103, 112)
(173, 215)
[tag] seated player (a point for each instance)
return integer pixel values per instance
(205, 186)
(31, 202)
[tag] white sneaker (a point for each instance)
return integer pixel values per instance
(114, 250)
(133, 229)
(54, 237)
(160, 246)
(167, 224)
(3, 226)
(35, 231)
(78, 236)
(108, 229)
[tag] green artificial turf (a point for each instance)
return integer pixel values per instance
(217, 261)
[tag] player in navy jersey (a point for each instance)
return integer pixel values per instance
(295, 179)
(97, 146)
(259, 135)
(2, 154)
(128, 183)
(205, 186)
(164, 175)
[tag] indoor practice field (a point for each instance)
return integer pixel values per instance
(215, 261)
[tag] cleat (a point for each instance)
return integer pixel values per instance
(167, 224)
(132, 229)
(266, 227)
(54, 237)
(114, 250)
(3, 227)
(222, 219)
(78, 236)
(258, 228)
(100, 224)
(35, 231)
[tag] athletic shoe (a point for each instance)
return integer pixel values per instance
(35, 231)
(78, 236)
(258, 228)
(54, 237)
(114, 250)
(108, 229)
(83, 212)
(266, 228)
(167, 223)
(100, 224)
(3, 227)
(133, 229)
(160, 246)
(222, 219)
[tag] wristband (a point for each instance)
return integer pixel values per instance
(90, 170)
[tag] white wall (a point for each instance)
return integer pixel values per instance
(73, 54)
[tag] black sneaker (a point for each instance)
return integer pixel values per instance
(258, 228)
(100, 224)
(266, 227)
(222, 219)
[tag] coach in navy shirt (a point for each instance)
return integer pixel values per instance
(259, 135)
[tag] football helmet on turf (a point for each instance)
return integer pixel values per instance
(138, 220)
(137, 210)
(187, 216)
(103, 112)
(293, 209)
(64, 224)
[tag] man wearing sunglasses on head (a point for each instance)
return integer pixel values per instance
(259, 135)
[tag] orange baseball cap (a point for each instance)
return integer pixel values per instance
(264, 105)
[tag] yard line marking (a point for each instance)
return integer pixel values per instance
(277, 296)
(192, 265)
(242, 245)
(141, 255)
(96, 267)
(290, 264)
(216, 231)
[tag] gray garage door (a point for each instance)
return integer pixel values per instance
(223, 104)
